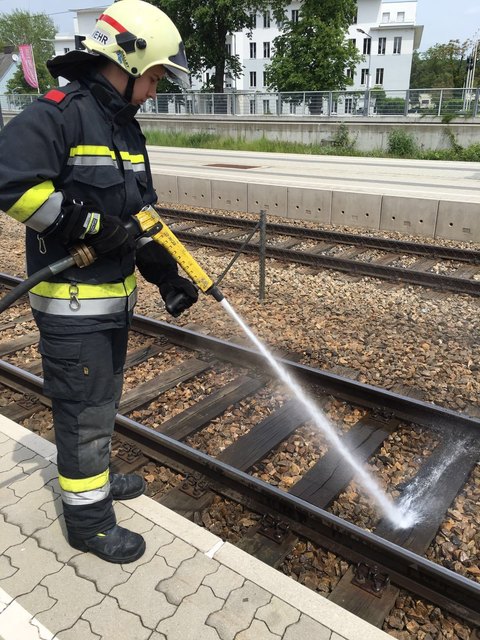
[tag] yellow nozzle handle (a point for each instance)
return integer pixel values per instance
(151, 224)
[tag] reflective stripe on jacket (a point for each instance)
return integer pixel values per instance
(64, 299)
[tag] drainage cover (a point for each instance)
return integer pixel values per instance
(231, 166)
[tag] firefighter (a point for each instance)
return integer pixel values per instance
(73, 167)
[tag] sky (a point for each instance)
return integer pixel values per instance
(443, 20)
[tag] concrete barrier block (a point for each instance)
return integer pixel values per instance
(196, 192)
(356, 209)
(314, 205)
(458, 221)
(271, 198)
(166, 187)
(231, 196)
(414, 216)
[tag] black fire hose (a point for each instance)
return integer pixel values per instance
(43, 274)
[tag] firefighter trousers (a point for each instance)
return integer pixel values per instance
(83, 377)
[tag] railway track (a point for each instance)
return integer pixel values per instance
(226, 382)
(445, 268)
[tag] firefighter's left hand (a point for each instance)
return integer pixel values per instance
(178, 294)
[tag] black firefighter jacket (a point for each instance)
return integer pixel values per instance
(80, 142)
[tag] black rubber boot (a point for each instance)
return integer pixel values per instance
(126, 486)
(117, 545)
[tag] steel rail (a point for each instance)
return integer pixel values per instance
(445, 588)
(386, 244)
(355, 267)
(384, 402)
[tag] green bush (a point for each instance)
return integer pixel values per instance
(401, 144)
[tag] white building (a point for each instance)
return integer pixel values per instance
(385, 32)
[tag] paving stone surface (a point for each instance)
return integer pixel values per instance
(256, 630)
(188, 577)
(108, 621)
(239, 610)
(67, 609)
(10, 535)
(223, 581)
(203, 589)
(189, 621)
(307, 629)
(139, 595)
(32, 564)
(81, 630)
(278, 615)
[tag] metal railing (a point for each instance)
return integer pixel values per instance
(348, 103)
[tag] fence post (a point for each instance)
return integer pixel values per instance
(439, 113)
(1, 116)
(475, 105)
(263, 254)
(407, 102)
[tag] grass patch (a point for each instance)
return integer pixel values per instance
(340, 145)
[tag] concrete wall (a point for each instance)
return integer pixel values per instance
(431, 218)
(369, 134)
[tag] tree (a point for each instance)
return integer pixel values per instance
(205, 25)
(313, 53)
(441, 66)
(23, 27)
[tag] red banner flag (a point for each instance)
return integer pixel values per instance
(28, 64)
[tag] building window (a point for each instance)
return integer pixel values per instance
(66, 49)
(266, 49)
(253, 78)
(253, 20)
(397, 44)
(266, 107)
(253, 107)
(382, 44)
(293, 108)
(295, 15)
(386, 17)
(379, 76)
(348, 105)
(253, 49)
(228, 48)
(364, 77)
(367, 46)
(266, 20)
(401, 16)
(265, 78)
(349, 73)
(354, 42)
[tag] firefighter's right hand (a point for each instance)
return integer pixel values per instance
(111, 238)
(104, 233)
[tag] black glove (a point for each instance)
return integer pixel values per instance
(178, 294)
(158, 267)
(104, 233)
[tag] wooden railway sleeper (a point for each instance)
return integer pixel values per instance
(368, 578)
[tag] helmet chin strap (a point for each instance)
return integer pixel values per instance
(129, 88)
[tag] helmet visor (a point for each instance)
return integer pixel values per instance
(177, 68)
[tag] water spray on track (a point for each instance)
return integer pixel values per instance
(148, 223)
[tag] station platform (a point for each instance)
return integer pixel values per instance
(430, 198)
(189, 585)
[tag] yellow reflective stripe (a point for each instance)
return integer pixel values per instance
(134, 159)
(84, 484)
(31, 200)
(91, 150)
(86, 291)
